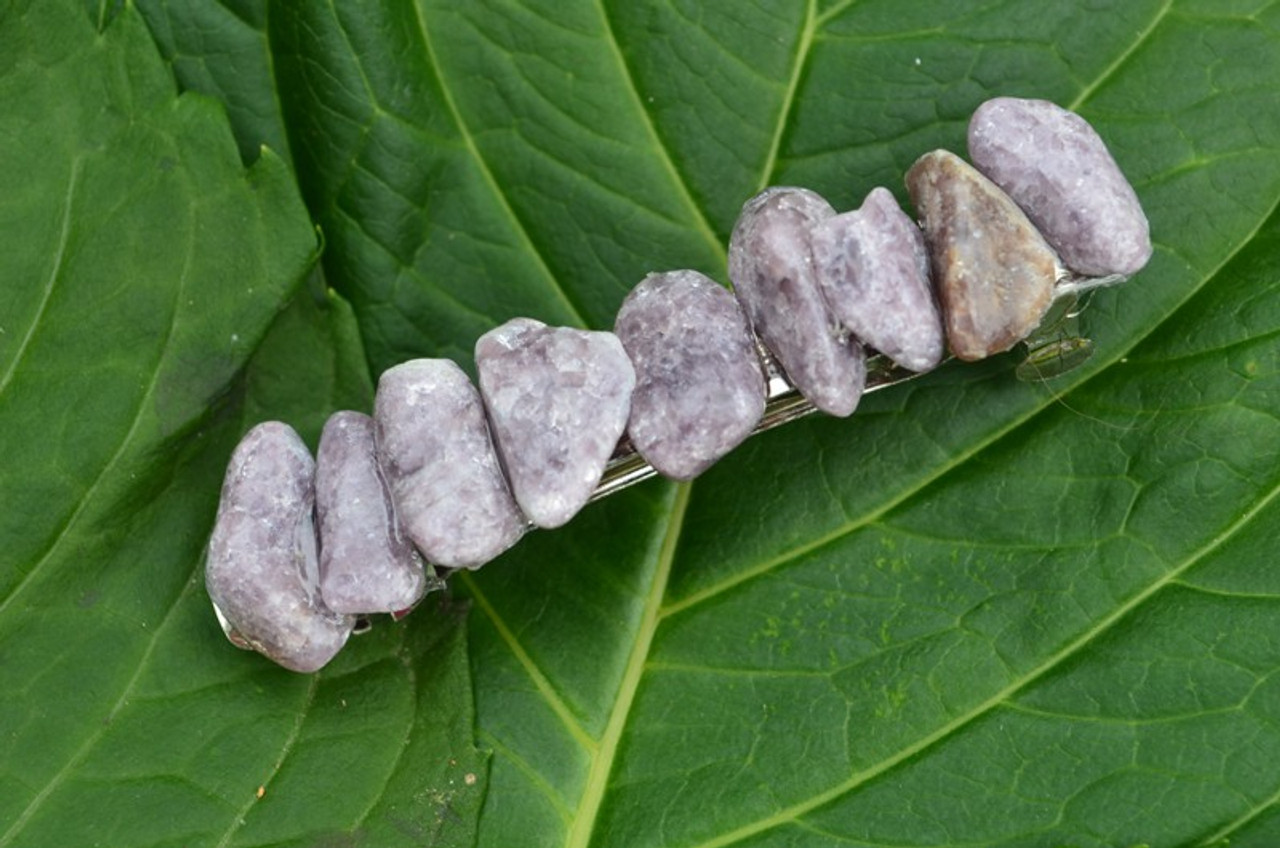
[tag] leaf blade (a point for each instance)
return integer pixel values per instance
(174, 326)
(978, 611)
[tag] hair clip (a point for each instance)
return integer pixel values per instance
(825, 307)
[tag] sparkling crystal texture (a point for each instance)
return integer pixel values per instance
(993, 270)
(439, 463)
(771, 266)
(558, 400)
(367, 563)
(699, 387)
(1056, 167)
(874, 273)
(262, 571)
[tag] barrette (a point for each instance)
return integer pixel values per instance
(825, 307)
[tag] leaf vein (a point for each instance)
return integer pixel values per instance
(58, 255)
(789, 97)
(1229, 594)
(1001, 697)
(239, 16)
(1220, 837)
(1108, 72)
(290, 741)
(411, 270)
(468, 139)
(101, 729)
(539, 679)
(602, 762)
(403, 747)
(143, 404)
(664, 153)
(534, 776)
(1127, 721)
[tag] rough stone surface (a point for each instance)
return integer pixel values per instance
(874, 273)
(1056, 167)
(699, 388)
(993, 270)
(439, 463)
(771, 265)
(262, 572)
(558, 400)
(367, 563)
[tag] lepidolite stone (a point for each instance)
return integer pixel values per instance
(367, 563)
(439, 463)
(874, 273)
(1056, 167)
(262, 572)
(771, 266)
(558, 400)
(699, 388)
(993, 270)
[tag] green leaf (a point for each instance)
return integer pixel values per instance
(148, 318)
(220, 49)
(979, 611)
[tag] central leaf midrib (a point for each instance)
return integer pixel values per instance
(602, 760)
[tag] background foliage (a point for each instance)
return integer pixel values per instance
(977, 612)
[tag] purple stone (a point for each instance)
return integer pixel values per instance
(367, 563)
(874, 273)
(558, 400)
(699, 388)
(1053, 165)
(439, 463)
(771, 265)
(993, 270)
(262, 572)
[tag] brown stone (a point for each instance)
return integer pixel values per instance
(993, 270)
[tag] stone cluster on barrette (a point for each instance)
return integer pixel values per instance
(825, 306)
